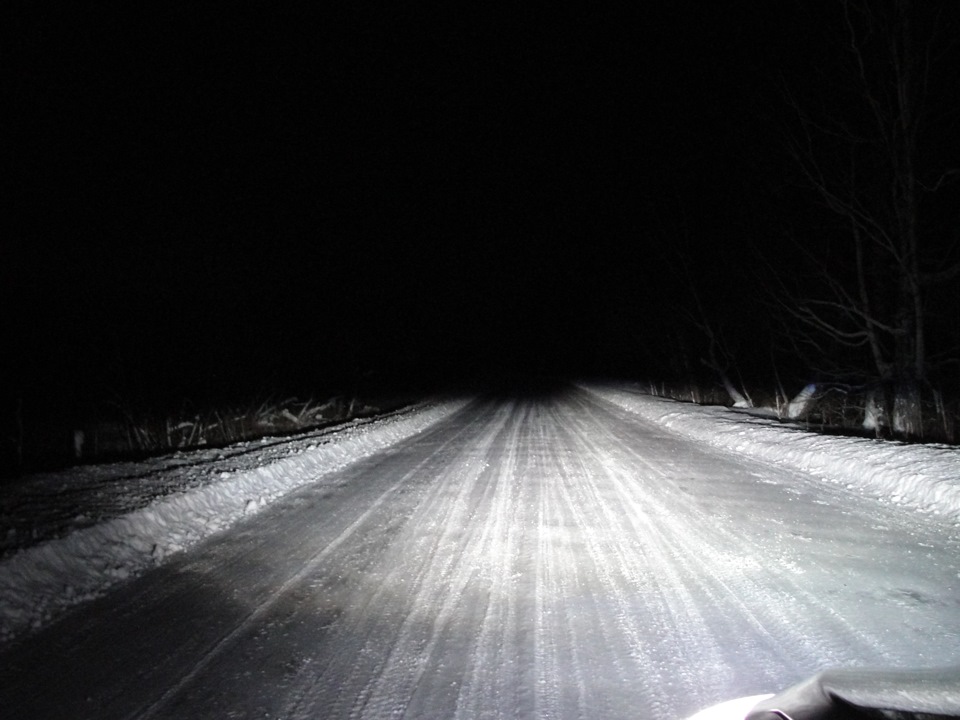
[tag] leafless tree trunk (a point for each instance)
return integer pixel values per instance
(863, 161)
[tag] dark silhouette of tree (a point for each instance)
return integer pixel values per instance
(873, 137)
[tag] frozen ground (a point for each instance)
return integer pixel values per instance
(69, 536)
(553, 556)
(922, 477)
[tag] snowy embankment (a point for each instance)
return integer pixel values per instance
(924, 477)
(38, 582)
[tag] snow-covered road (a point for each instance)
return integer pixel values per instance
(553, 556)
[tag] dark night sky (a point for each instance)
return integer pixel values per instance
(283, 195)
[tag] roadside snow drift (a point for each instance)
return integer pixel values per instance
(38, 582)
(923, 477)
(68, 537)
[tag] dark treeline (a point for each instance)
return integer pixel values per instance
(735, 201)
(849, 273)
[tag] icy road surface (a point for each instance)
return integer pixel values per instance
(544, 557)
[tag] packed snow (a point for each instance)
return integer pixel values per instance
(922, 477)
(69, 536)
(553, 555)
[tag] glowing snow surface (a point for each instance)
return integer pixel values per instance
(548, 557)
(731, 709)
(923, 477)
(163, 506)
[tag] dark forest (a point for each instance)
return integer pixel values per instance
(725, 203)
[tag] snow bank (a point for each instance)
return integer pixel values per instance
(38, 582)
(925, 477)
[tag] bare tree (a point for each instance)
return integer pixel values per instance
(861, 142)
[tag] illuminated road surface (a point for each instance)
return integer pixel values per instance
(543, 557)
